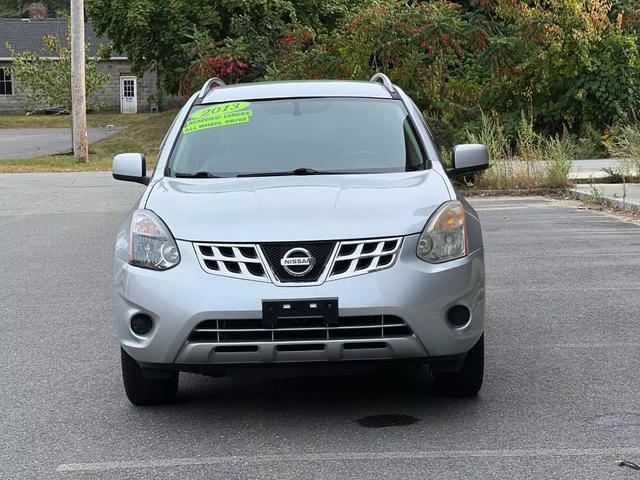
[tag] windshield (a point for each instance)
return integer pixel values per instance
(297, 137)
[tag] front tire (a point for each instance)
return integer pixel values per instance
(466, 382)
(145, 391)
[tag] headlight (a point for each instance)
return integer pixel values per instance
(445, 235)
(151, 244)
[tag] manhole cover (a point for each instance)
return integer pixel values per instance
(381, 421)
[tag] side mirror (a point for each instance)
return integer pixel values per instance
(467, 158)
(130, 167)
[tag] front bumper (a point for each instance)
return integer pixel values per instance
(419, 293)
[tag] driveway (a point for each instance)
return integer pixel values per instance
(17, 143)
(560, 399)
(593, 168)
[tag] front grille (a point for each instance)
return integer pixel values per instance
(364, 256)
(231, 260)
(275, 252)
(301, 329)
(333, 260)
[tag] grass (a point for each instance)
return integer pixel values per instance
(625, 145)
(140, 133)
(535, 162)
(558, 151)
(64, 121)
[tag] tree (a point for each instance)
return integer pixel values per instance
(20, 8)
(37, 10)
(424, 47)
(46, 77)
(159, 34)
(153, 33)
(566, 63)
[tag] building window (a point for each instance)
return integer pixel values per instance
(6, 86)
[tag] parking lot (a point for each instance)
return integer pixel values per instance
(561, 395)
(33, 142)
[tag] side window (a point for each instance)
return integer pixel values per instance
(414, 160)
(6, 83)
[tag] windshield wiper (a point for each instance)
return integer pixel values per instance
(196, 175)
(297, 171)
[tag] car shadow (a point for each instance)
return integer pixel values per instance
(381, 397)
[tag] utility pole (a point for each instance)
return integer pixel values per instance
(78, 100)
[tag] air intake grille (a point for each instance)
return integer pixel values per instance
(364, 256)
(275, 252)
(332, 260)
(231, 260)
(301, 329)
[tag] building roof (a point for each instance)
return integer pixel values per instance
(296, 89)
(25, 34)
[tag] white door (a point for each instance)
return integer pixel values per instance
(128, 95)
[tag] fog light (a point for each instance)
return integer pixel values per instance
(458, 316)
(141, 324)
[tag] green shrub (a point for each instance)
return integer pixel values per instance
(500, 174)
(625, 145)
(589, 143)
(567, 63)
(536, 161)
(559, 151)
(424, 47)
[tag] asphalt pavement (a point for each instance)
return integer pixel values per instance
(17, 143)
(560, 400)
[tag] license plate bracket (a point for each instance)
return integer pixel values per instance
(272, 310)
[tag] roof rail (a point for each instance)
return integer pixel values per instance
(384, 80)
(207, 86)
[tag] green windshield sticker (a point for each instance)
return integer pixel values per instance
(219, 108)
(221, 115)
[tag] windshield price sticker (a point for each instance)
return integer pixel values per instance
(221, 115)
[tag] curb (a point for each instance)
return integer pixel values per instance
(516, 192)
(604, 200)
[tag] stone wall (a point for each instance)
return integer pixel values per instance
(108, 97)
(12, 103)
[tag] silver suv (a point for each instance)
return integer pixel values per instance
(306, 223)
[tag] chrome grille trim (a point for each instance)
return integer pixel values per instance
(247, 261)
(237, 260)
(357, 257)
(368, 327)
(354, 327)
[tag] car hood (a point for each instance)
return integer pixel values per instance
(296, 208)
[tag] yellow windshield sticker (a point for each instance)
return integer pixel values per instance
(220, 115)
